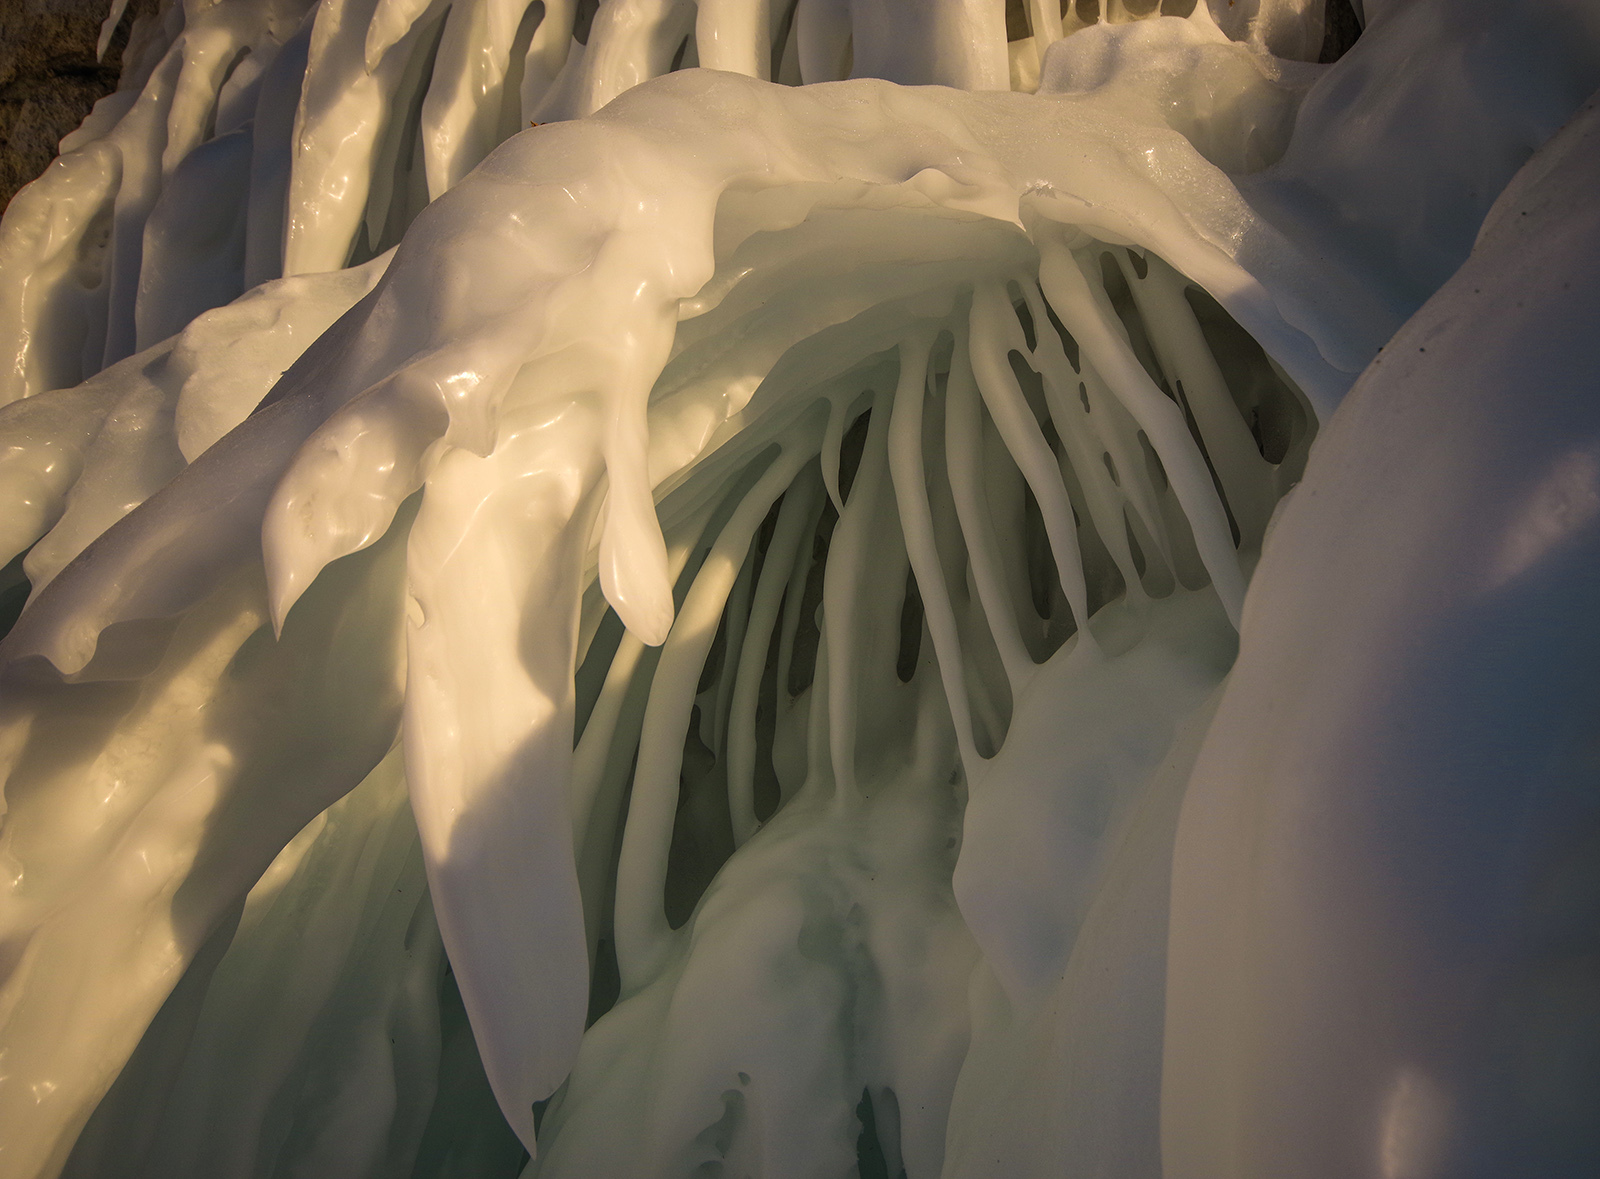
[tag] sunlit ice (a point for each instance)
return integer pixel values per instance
(767, 588)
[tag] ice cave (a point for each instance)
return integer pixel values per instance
(808, 589)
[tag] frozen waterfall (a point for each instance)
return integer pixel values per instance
(817, 588)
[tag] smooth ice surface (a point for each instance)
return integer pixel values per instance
(785, 527)
(1385, 866)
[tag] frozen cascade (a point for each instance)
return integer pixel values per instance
(789, 545)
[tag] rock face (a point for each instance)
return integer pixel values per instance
(49, 78)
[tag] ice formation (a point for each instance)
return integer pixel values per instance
(708, 635)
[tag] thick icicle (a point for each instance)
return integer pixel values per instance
(962, 431)
(842, 587)
(793, 528)
(488, 731)
(735, 35)
(993, 327)
(462, 116)
(906, 469)
(1108, 350)
(1183, 354)
(1082, 437)
(643, 938)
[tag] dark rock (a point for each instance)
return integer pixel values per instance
(49, 78)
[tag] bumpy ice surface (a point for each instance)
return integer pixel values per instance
(710, 635)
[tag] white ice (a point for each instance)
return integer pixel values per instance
(784, 522)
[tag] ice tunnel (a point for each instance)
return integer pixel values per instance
(957, 589)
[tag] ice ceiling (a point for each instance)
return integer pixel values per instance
(708, 635)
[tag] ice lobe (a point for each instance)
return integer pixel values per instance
(529, 314)
(571, 340)
(1396, 156)
(1379, 960)
(75, 463)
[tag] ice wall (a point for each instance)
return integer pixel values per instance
(788, 540)
(1383, 888)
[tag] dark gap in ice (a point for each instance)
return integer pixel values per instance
(1024, 314)
(702, 830)
(872, 1161)
(1068, 344)
(14, 591)
(1340, 29)
(803, 662)
(1277, 418)
(511, 87)
(1018, 26)
(591, 674)
(1128, 312)
(905, 664)
(780, 41)
(1031, 384)
(850, 451)
(1216, 480)
(583, 20)
(605, 984)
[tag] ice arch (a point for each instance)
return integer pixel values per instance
(605, 355)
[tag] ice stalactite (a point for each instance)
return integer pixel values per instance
(786, 542)
(852, 950)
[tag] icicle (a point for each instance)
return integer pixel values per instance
(1184, 355)
(819, 767)
(735, 35)
(1118, 433)
(339, 129)
(841, 589)
(139, 139)
(842, 410)
(633, 555)
(822, 36)
(391, 20)
(603, 761)
(794, 527)
(461, 114)
(992, 320)
(43, 442)
(1069, 293)
(594, 748)
(628, 44)
(1101, 427)
(963, 426)
(272, 156)
(209, 51)
(735, 623)
(547, 53)
(399, 188)
(108, 28)
(793, 601)
(1080, 436)
(50, 263)
(643, 937)
(907, 470)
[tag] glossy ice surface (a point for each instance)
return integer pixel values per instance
(784, 526)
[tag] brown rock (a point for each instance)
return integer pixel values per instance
(49, 78)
